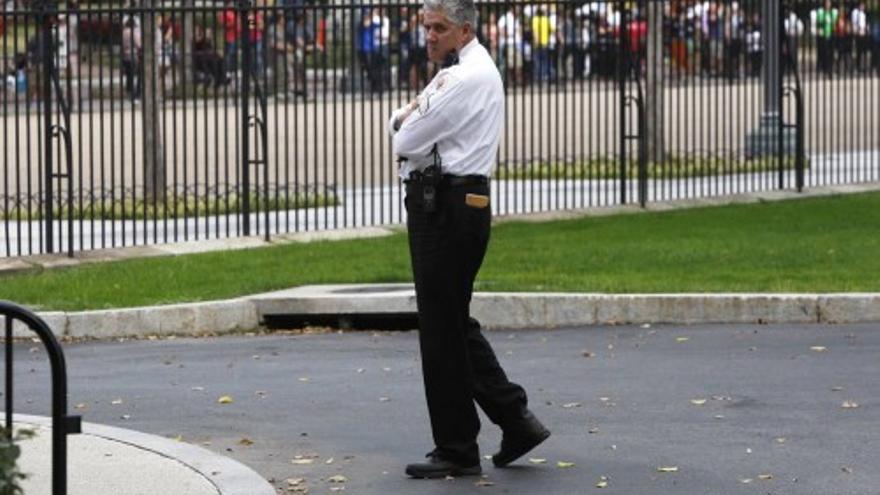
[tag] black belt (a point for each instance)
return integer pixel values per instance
(464, 180)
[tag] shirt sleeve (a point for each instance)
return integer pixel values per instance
(433, 121)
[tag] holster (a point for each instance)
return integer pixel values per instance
(423, 187)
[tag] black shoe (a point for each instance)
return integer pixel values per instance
(520, 438)
(437, 467)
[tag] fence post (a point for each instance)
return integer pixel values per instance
(244, 7)
(44, 20)
(622, 68)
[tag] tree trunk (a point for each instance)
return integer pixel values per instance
(154, 156)
(186, 42)
(654, 84)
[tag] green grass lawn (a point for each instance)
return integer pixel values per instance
(810, 245)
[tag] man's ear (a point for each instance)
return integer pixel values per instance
(466, 30)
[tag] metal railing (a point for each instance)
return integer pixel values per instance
(199, 120)
(62, 424)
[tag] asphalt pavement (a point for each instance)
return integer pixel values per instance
(734, 409)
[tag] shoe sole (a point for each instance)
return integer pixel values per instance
(502, 462)
(474, 471)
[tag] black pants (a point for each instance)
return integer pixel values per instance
(458, 364)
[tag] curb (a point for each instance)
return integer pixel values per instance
(228, 476)
(495, 310)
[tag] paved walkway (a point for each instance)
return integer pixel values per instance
(106, 460)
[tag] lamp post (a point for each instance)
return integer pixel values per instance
(765, 140)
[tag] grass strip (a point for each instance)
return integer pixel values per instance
(170, 208)
(809, 245)
(673, 168)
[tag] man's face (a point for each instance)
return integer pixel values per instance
(443, 35)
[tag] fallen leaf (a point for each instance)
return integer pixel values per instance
(81, 407)
(337, 479)
(698, 402)
(746, 480)
(669, 469)
(593, 430)
(247, 442)
(682, 339)
(535, 460)
(329, 461)
(818, 348)
(300, 462)
(780, 440)
(603, 482)
(295, 481)
(116, 402)
(849, 404)
(226, 399)
(765, 477)
(337, 488)
(304, 379)
(484, 483)
(563, 464)
(571, 405)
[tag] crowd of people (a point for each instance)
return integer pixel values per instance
(534, 43)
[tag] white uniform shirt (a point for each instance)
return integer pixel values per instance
(860, 22)
(461, 111)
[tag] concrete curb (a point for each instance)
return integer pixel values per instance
(495, 310)
(228, 476)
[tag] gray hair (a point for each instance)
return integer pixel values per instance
(460, 12)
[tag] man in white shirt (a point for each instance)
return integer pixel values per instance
(859, 18)
(447, 140)
(510, 47)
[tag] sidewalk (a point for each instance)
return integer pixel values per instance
(104, 460)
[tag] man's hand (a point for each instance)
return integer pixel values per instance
(410, 108)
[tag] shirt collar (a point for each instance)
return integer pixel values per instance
(467, 49)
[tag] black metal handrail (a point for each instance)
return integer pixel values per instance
(62, 424)
(800, 152)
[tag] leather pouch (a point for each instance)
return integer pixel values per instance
(476, 201)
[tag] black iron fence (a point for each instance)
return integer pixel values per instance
(197, 119)
(62, 424)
